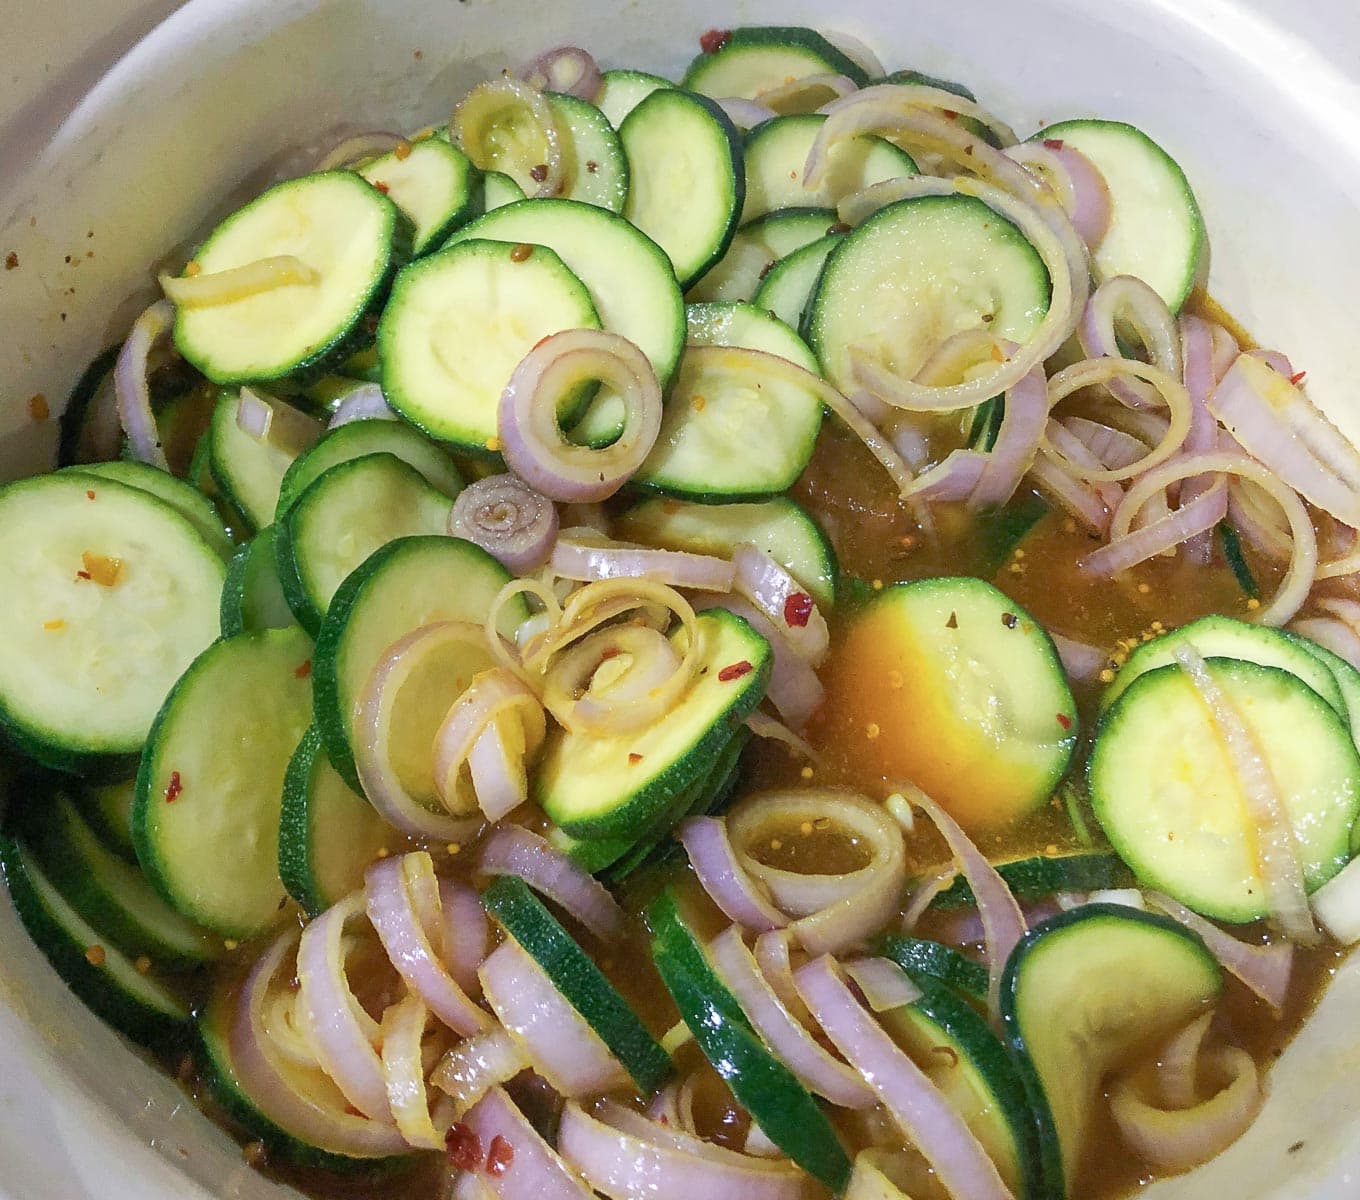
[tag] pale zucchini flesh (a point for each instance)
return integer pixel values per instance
(458, 324)
(188, 501)
(250, 470)
(757, 247)
(206, 819)
(108, 596)
(351, 236)
(1167, 794)
(597, 167)
(353, 509)
(622, 91)
(410, 582)
(433, 183)
(252, 596)
(735, 323)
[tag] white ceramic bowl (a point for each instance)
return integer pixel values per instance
(1260, 109)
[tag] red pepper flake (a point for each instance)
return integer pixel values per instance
(499, 1157)
(381, 186)
(11, 261)
(538, 172)
(634, 759)
(1053, 143)
(1298, 377)
(521, 254)
(89, 493)
(1010, 620)
(735, 671)
(304, 669)
(38, 408)
(173, 788)
(950, 113)
(713, 40)
(82, 574)
(1064, 720)
(798, 608)
(464, 1147)
(592, 166)
(418, 55)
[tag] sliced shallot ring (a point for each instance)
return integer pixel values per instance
(531, 440)
(1180, 1138)
(882, 982)
(566, 69)
(1298, 579)
(1280, 427)
(376, 770)
(508, 519)
(364, 403)
(880, 107)
(765, 726)
(925, 893)
(587, 560)
(790, 1042)
(836, 911)
(1093, 371)
(403, 1036)
(415, 943)
(341, 1034)
(1129, 547)
(595, 604)
(131, 391)
(927, 1119)
(1277, 848)
(559, 1043)
(513, 850)
(722, 876)
(475, 116)
(1265, 969)
(1079, 660)
(1127, 298)
(536, 1172)
(623, 1164)
(768, 584)
(237, 283)
(327, 1125)
(1063, 256)
(1076, 181)
(1003, 924)
(494, 696)
(475, 1065)
(653, 681)
(358, 148)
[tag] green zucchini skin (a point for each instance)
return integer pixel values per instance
(526, 919)
(755, 58)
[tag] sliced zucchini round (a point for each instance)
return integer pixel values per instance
(250, 470)
(759, 58)
(1346, 676)
(251, 1112)
(143, 1006)
(1083, 992)
(372, 435)
(1222, 637)
(351, 236)
(408, 583)
(950, 684)
(108, 594)
(188, 501)
(206, 818)
(623, 91)
(757, 247)
(252, 597)
(525, 918)
(108, 809)
(735, 323)
(917, 272)
(498, 190)
(789, 283)
(433, 183)
(950, 1041)
(1156, 231)
(458, 324)
(597, 167)
(328, 834)
(785, 1110)
(597, 786)
(683, 145)
(628, 275)
(778, 149)
(1165, 791)
(731, 435)
(780, 527)
(351, 510)
(110, 893)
